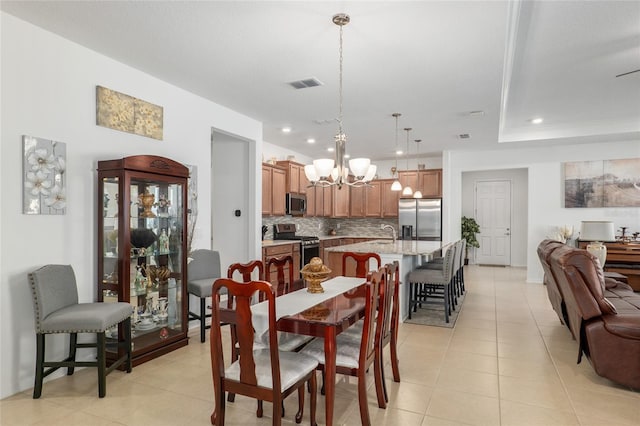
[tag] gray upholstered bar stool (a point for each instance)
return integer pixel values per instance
(202, 271)
(55, 302)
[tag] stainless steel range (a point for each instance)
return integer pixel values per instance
(309, 245)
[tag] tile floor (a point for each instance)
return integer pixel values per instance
(508, 361)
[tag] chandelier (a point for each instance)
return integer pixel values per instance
(322, 169)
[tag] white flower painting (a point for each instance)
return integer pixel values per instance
(44, 166)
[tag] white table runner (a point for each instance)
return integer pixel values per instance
(300, 300)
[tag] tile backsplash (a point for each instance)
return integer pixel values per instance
(360, 227)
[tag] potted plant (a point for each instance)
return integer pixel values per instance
(469, 228)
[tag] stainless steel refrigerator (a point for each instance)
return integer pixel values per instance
(420, 218)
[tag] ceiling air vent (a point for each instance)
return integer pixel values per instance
(464, 136)
(307, 82)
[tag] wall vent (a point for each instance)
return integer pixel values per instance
(307, 82)
(464, 136)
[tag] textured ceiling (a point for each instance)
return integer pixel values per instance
(434, 62)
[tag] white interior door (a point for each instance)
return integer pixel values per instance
(493, 213)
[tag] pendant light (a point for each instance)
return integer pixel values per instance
(407, 191)
(396, 185)
(418, 193)
(318, 173)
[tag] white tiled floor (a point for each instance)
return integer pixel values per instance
(508, 361)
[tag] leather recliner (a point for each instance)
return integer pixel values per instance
(603, 315)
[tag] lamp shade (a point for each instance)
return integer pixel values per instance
(396, 186)
(310, 172)
(371, 173)
(323, 166)
(417, 194)
(359, 166)
(407, 191)
(597, 230)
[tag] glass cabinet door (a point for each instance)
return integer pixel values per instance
(155, 275)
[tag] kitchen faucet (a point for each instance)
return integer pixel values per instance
(393, 231)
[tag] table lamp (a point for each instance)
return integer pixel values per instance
(597, 231)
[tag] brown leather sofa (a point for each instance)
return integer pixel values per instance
(603, 315)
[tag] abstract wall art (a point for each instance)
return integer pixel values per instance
(602, 183)
(122, 112)
(44, 179)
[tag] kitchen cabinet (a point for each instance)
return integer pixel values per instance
(321, 200)
(311, 202)
(373, 199)
(142, 255)
(365, 201)
(296, 180)
(356, 201)
(430, 182)
(340, 201)
(409, 177)
(273, 190)
(389, 204)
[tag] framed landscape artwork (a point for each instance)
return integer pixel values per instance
(602, 183)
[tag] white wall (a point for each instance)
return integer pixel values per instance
(545, 199)
(48, 90)
(519, 195)
(270, 151)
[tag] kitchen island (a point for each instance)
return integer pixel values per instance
(408, 253)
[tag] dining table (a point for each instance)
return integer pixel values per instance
(324, 315)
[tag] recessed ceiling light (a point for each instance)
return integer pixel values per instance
(537, 120)
(286, 130)
(399, 152)
(347, 156)
(330, 149)
(311, 140)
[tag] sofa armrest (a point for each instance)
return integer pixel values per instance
(624, 325)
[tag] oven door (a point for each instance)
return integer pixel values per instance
(308, 252)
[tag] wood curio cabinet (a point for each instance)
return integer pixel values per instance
(142, 256)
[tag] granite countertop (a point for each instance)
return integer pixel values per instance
(271, 243)
(402, 247)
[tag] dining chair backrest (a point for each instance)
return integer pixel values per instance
(449, 263)
(243, 293)
(372, 327)
(246, 272)
(459, 257)
(362, 261)
(391, 304)
(280, 264)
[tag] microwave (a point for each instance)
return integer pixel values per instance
(296, 204)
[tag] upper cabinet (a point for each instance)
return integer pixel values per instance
(429, 182)
(274, 181)
(366, 201)
(296, 179)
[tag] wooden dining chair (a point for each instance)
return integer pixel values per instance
(354, 359)
(390, 324)
(244, 271)
(263, 373)
(286, 341)
(362, 261)
(280, 264)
